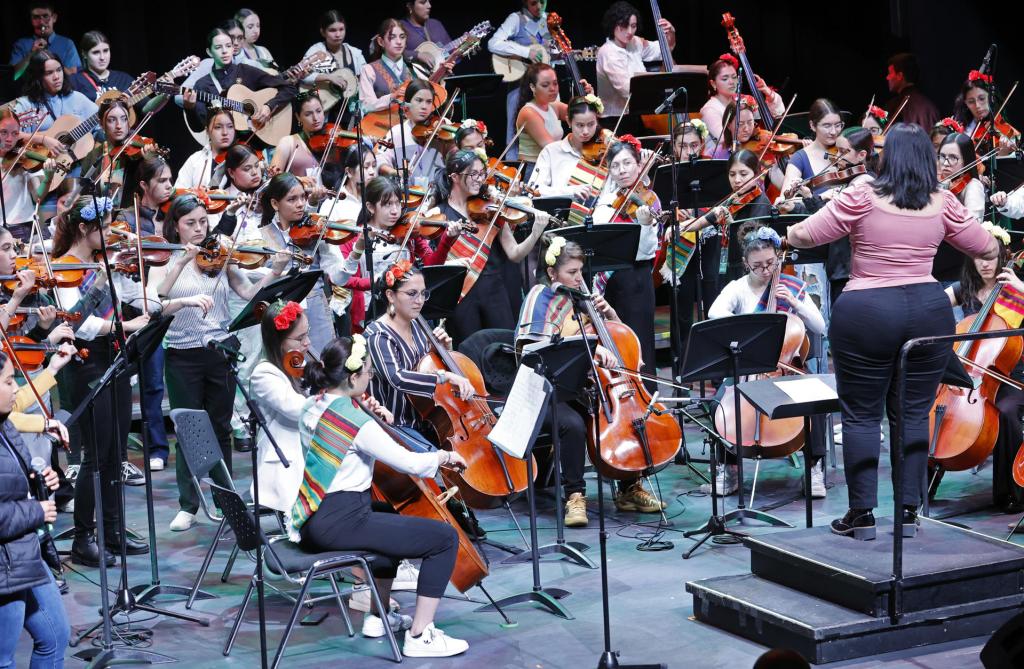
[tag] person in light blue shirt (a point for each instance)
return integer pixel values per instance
(48, 93)
(43, 19)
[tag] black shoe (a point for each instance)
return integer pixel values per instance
(84, 551)
(132, 475)
(858, 523)
(131, 546)
(465, 521)
(243, 444)
(911, 521)
(62, 584)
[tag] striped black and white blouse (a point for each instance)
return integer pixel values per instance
(394, 363)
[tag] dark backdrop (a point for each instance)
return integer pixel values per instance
(833, 49)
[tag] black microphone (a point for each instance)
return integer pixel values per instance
(47, 548)
(667, 104)
(986, 64)
(574, 293)
(224, 348)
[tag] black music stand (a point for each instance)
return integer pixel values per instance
(768, 397)
(292, 287)
(479, 84)
(555, 205)
(606, 246)
(445, 285)
(565, 364)
(734, 346)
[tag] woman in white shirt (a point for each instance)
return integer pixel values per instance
(333, 510)
(556, 170)
(956, 152)
(423, 160)
(623, 55)
(205, 167)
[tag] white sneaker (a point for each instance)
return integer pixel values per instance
(433, 643)
(183, 521)
(373, 626)
(132, 475)
(818, 480)
(360, 599)
(69, 507)
(727, 482)
(156, 464)
(71, 473)
(407, 577)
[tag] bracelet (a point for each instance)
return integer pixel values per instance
(442, 377)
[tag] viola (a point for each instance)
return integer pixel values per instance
(633, 442)
(463, 425)
(965, 422)
(32, 354)
(764, 437)
(21, 313)
(214, 255)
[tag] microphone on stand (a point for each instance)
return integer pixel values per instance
(650, 407)
(224, 348)
(47, 548)
(986, 64)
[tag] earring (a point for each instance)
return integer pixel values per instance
(391, 309)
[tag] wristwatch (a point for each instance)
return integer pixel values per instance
(441, 376)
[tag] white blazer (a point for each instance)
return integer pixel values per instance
(282, 407)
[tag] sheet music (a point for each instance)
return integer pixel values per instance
(806, 390)
(523, 413)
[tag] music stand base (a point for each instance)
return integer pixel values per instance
(98, 657)
(715, 527)
(128, 604)
(143, 593)
(569, 550)
(610, 660)
(546, 597)
(754, 514)
(508, 548)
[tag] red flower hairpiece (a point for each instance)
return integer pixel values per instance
(632, 141)
(952, 124)
(977, 75)
(287, 315)
(731, 59)
(878, 114)
(748, 102)
(396, 272)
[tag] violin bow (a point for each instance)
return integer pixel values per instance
(433, 133)
(515, 138)
(775, 132)
(969, 166)
(990, 123)
(330, 139)
(28, 381)
(639, 179)
(497, 213)
(896, 114)
(105, 173)
(138, 253)
(28, 143)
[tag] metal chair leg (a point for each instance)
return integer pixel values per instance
(238, 618)
(396, 653)
(300, 601)
(206, 564)
(230, 565)
(341, 605)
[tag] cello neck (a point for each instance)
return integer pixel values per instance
(979, 319)
(603, 336)
(666, 53)
(442, 351)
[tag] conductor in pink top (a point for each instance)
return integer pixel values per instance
(895, 224)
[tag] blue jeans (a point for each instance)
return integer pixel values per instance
(41, 612)
(153, 371)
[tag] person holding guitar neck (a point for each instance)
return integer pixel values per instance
(333, 30)
(420, 28)
(523, 34)
(226, 72)
(97, 76)
(623, 55)
(293, 153)
(48, 93)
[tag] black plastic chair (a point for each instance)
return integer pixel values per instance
(198, 444)
(285, 560)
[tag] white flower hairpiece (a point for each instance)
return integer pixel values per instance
(594, 101)
(354, 362)
(997, 232)
(700, 127)
(554, 250)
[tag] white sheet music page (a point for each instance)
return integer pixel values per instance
(522, 414)
(806, 390)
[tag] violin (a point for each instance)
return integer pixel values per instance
(156, 251)
(772, 148)
(836, 177)
(633, 441)
(215, 200)
(68, 271)
(22, 313)
(138, 145)
(501, 176)
(32, 354)
(428, 227)
(440, 128)
(996, 129)
(463, 425)
(214, 255)
(629, 200)
(965, 421)
(513, 211)
(312, 227)
(336, 140)
(762, 436)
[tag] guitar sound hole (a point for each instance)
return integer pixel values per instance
(65, 139)
(249, 107)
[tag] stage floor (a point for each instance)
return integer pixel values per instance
(651, 611)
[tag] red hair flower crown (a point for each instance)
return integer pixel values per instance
(878, 114)
(977, 75)
(397, 272)
(631, 140)
(287, 314)
(952, 124)
(731, 59)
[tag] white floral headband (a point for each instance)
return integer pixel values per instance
(473, 124)
(997, 232)
(595, 102)
(554, 250)
(354, 362)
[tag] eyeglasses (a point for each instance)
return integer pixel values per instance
(947, 159)
(832, 127)
(475, 174)
(370, 372)
(417, 294)
(763, 267)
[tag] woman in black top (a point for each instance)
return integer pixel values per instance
(95, 77)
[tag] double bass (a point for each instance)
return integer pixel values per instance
(764, 437)
(965, 422)
(634, 442)
(463, 424)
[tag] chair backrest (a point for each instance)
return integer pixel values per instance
(492, 350)
(242, 521)
(197, 440)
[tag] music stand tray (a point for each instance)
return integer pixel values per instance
(607, 246)
(445, 285)
(769, 397)
(701, 183)
(648, 91)
(290, 288)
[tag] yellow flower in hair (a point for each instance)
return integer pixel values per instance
(554, 250)
(700, 127)
(595, 101)
(354, 362)
(997, 232)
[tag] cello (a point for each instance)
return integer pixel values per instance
(490, 475)
(634, 441)
(763, 436)
(740, 49)
(964, 422)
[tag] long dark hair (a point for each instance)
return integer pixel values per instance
(273, 337)
(454, 164)
(376, 50)
(745, 158)
(821, 108)
(149, 169)
(960, 110)
(180, 206)
(34, 89)
(971, 282)
(330, 371)
(330, 17)
(67, 232)
(529, 79)
(89, 41)
(907, 169)
(967, 153)
(728, 122)
(277, 189)
(861, 139)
